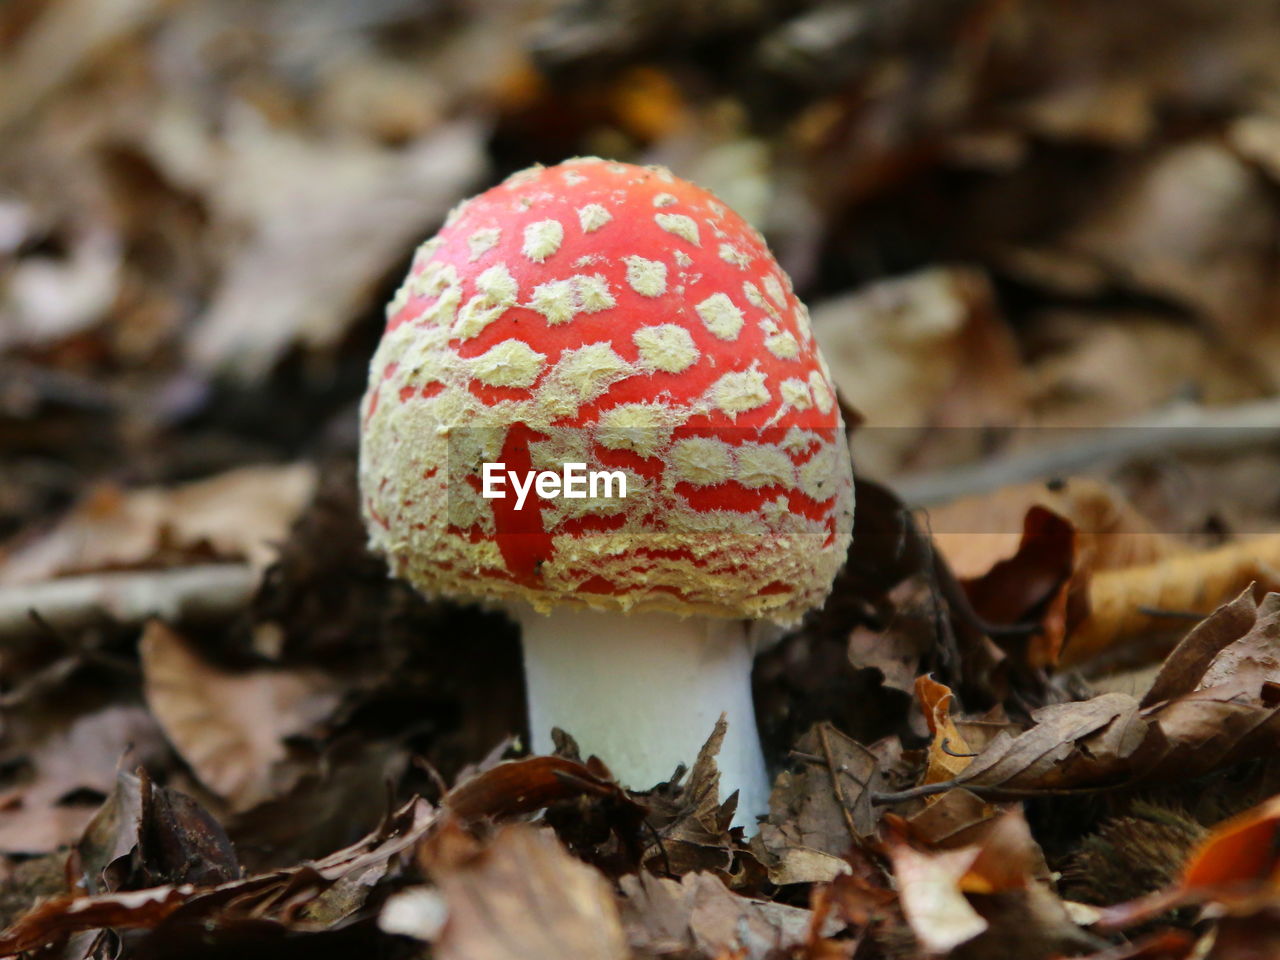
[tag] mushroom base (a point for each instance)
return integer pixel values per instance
(643, 692)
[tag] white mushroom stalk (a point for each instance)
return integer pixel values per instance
(643, 692)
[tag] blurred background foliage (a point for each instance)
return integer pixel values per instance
(1003, 212)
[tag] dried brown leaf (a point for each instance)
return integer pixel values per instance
(1010, 858)
(821, 810)
(1088, 741)
(82, 757)
(976, 533)
(698, 912)
(146, 835)
(151, 907)
(1105, 368)
(903, 352)
(1205, 731)
(239, 514)
(523, 897)
(514, 787)
(951, 819)
(1125, 604)
(1185, 666)
(179, 841)
(110, 836)
(230, 727)
(57, 918)
(949, 752)
(929, 891)
(320, 237)
(993, 890)
(691, 823)
(333, 801)
(1110, 741)
(1251, 663)
(1191, 224)
(1041, 567)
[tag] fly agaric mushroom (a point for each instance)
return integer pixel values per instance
(605, 314)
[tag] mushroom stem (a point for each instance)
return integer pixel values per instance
(643, 692)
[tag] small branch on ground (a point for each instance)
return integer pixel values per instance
(128, 597)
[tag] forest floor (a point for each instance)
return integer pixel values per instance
(1038, 716)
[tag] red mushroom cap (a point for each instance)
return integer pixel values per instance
(617, 316)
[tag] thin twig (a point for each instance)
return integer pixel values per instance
(806, 757)
(835, 783)
(1185, 428)
(985, 792)
(662, 847)
(945, 747)
(1170, 614)
(128, 597)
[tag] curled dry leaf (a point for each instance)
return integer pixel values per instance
(179, 841)
(146, 835)
(1230, 659)
(1183, 728)
(1206, 731)
(950, 819)
(664, 917)
(514, 787)
(976, 533)
(1109, 367)
(240, 514)
(230, 727)
(1041, 567)
(1124, 604)
(820, 810)
(949, 752)
(1190, 224)
(903, 352)
(1117, 572)
(989, 881)
(691, 825)
(109, 837)
(322, 235)
(929, 891)
(84, 756)
(1251, 665)
(1240, 852)
(1090, 741)
(523, 897)
(57, 918)
(1009, 857)
(258, 896)
(1184, 668)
